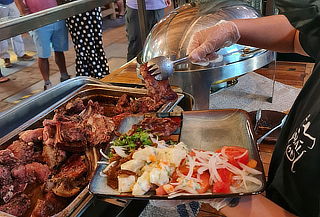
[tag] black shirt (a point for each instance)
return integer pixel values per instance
(294, 175)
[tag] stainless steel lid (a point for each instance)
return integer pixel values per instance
(170, 37)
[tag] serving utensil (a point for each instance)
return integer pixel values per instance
(273, 129)
(163, 67)
(258, 117)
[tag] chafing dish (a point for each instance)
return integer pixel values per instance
(170, 38)
(31, 113)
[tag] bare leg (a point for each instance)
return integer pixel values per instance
(61, 62)
(43, 64)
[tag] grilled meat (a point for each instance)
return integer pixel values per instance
(78, 132)
(159, 126)
(70, 179)
(75, 106)
(7, 192)
(31, 173)
(49, 205)
(7, 157)
(18, 206)
(53, 156)
(99, 129)
(140, 105)
(31, 135)
(5, 175)
(22, 151)
(160, 91)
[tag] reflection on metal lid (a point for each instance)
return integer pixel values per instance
(171, 36)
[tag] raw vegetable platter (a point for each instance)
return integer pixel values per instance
(211, 155)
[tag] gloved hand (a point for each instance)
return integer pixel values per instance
(205, 43)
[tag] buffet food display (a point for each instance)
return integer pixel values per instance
(144, 152)
(45, 167)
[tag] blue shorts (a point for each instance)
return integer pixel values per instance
(54, 35)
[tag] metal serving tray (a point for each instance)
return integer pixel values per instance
(22, 113)
(107, 93)
(205, 130)
(83, 88)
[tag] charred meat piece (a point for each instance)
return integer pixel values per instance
(92, 108)
(18, 206)
(159, 126)
(7, 157)
(160, 91)
(78, 132)
(122, 104)
(9, 191)
(71, 136)
(140, 105)
(31, 135)
(22, 151)
(50, 205)
(144, 105)
(31, 173)
(70, 179)
(75, 107)
(53, 156)
(5, 175)
(99, 129)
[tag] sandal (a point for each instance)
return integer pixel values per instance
(4, 79)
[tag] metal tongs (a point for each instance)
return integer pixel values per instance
(273, 129)
(162, 67)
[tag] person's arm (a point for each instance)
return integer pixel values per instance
(272, 33)
(22, 7)
(255, 206)
(168, 2)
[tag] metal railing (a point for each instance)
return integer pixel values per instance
(29, 22)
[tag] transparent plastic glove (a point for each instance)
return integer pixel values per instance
(205, 43)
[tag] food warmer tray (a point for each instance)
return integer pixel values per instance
(203, 130)
(30, 108)
(42, 106)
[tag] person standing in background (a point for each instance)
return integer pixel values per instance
(86, 33)
(155, 12)
(8, 9)
(55, 34)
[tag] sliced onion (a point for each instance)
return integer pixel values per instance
(119, 151)
(103, 154)
(241, 155)
(249, 169)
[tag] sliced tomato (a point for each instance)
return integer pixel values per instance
(204, 183)
(221, 187)
(235, 154)
(226, 175)
(184, 169)
(160, 191)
